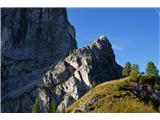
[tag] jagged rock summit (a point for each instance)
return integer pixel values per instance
(73, 76)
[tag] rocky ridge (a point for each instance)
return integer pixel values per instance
(73, 76)
(40, 60)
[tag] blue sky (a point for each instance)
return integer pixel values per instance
(133, 32)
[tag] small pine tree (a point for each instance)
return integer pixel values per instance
(151, 70)
(93, 85)
(134, 75)
(126, 70)
(134, 72)
(35, 107)
(53, 108)
(135, 67)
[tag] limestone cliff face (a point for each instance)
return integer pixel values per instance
(74, 76)
(32, 40)
(41, 63)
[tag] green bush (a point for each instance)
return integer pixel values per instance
(35, 108)
(72, 52)
(93, 85)
(52, 107)
(121, 85)
(134, 75)
(142, 79)
(157, 84)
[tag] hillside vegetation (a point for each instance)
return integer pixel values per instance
(115, 96)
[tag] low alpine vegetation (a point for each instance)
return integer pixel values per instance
(133, 93)
(35, 108)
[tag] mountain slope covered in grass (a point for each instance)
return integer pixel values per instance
(115, 96)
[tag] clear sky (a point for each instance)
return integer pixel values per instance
(133, 32)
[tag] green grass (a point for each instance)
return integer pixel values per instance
(115, 99)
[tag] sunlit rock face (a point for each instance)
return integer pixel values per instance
(32, 40)
(74, 76)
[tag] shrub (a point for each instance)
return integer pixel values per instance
(53, 108)
(93, 85)
(134, 75)
(72, 52)
(121, 85)
(157, 84)
(35, 107)
(142, 79)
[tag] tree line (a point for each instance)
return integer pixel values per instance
(151, 74)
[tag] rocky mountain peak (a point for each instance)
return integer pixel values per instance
(103, 37)
(101, 42)
(73, 76)
(41, 63)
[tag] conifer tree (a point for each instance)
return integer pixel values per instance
(151, 70)
(126, 70)
(134, 72)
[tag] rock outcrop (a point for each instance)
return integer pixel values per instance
(32, 40)
(146, 93)
(41, 64)
(74, 76)
(86, 106)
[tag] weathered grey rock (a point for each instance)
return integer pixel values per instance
(40, 60)
(146, 93)
(32, 40)
(86, 105)
(68, 100)
(74, 75)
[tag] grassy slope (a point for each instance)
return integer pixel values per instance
(113, 100)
